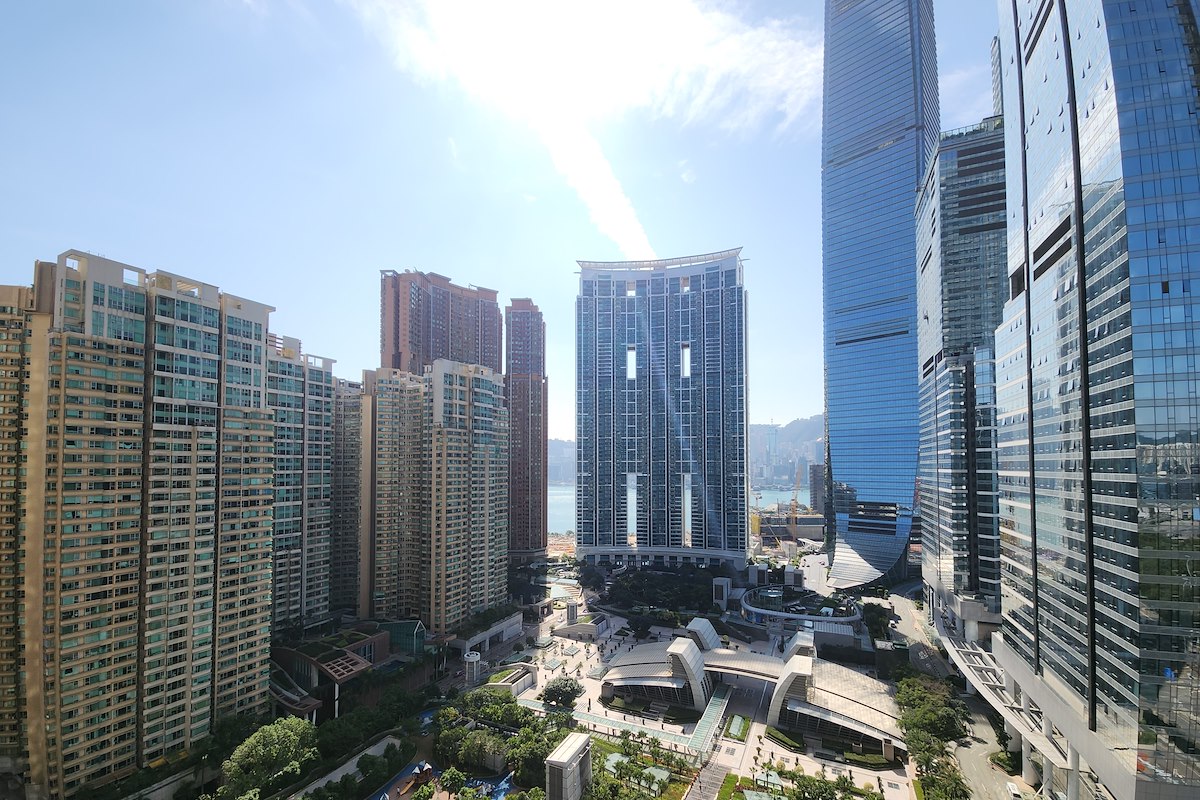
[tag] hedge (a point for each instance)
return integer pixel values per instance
(792, 741)
(868, 760)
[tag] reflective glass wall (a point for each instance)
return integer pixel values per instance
(1097, 374)
(880, 124)
(661, 419)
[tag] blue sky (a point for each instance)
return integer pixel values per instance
(287, 151)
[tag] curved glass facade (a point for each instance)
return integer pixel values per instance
(661, 411)
(1097, 412)
(880, 124)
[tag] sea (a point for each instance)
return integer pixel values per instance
(560, 503)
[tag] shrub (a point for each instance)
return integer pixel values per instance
(869, 760)
(792, 741)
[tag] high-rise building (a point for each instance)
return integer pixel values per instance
(300, 392)
(880, 124)
(424, 317)
(346, 502)
(146, 590)
(961, 289)
(428, 491)
(1097, 410)
(661, 421)
(525, 387)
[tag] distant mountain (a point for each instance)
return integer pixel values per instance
(560, 461)
(778, 452)
(774, 459)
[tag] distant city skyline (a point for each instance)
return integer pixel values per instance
(331, 141)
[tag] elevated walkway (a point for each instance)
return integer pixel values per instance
(979, 667)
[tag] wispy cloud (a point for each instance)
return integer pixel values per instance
(455, 158)
(686, 173)
(558, 67)
(966, 96)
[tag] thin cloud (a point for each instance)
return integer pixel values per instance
(686, 173)
(558, 67)
(966, 96)
(455, 158)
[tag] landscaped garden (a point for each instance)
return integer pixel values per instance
(738, 728)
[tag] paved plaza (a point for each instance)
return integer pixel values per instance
(743, 696)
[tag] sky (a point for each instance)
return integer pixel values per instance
(288, 151)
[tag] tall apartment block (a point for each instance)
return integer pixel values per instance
(300, 392)
(424, 317)
(1097, 414)
(880, 124)
(525, 386)
(961, 289)
(346, 501)
(431, 493)
(139, 536)
(661, 419)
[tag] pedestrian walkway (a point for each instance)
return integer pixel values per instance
(710, 723)
(615, 726)
(708, 782)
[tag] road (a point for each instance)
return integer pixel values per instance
(910, 623)
(985, 780)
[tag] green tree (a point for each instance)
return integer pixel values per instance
(562, 691)
(424, 793)
(452, 780)
(284, 745)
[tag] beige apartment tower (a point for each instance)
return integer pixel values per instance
(424, 501)
(139, 534)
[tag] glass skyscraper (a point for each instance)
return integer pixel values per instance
(880, 124)
(961, 269)
(1098, 439)
(661, 419)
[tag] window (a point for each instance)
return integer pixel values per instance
(631, 503)
(631, 362)
(686, 516)
(685, 360)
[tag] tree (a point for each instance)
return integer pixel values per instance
(284, 745)
(452, 780)
(562, 691)
(591, 578)
(424, 793)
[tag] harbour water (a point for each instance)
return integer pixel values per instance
(560, 504)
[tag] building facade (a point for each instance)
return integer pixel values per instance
(880, 124)
(424, 317)
(347, 496)
(428, 490)
(149, 576)
(661, 421)
(961, 288)
(300, 392)
(1097, 410)
(525, 387)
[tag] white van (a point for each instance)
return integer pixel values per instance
(1013, 791)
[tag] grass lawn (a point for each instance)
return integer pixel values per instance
(674, 791)
(501, 675)
(681, 716)
(631, 706)
(728, 788)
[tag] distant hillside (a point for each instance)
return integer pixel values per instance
(795, 444)
(560, 461)
(777, 452)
